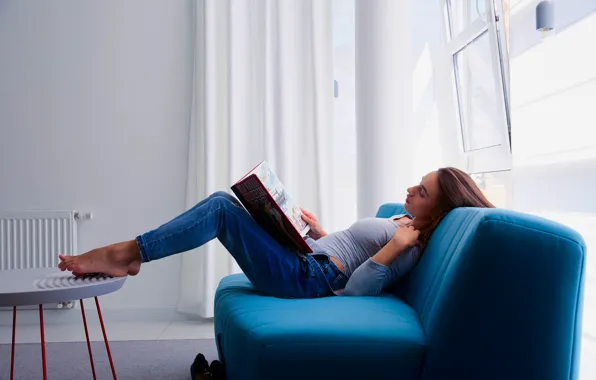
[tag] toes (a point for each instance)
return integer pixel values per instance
(63, 260)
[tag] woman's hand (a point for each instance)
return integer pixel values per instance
(403, 239)
(316, 231)
(406, 237)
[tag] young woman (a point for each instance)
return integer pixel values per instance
(362, 260)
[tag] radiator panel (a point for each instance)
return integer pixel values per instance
(33, 239)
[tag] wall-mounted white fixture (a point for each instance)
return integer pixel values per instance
(83, 215)
(545, 18)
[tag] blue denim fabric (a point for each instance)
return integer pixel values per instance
(272, 269)
(335, 279)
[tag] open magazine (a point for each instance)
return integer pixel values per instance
(265, 198)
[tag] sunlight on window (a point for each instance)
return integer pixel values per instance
(560, 62)
(479, 98)
(554, 87)
(479, 89)
(464, 13)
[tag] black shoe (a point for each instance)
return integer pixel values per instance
(199, 370)
(217, 370)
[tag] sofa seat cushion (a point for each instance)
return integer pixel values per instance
(344, 337)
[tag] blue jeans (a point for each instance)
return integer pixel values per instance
(272, 269)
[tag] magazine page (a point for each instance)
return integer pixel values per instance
(281, 196)
(267, 213)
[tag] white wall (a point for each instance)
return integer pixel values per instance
(553, 88)
(94, 111)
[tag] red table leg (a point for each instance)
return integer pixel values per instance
(14, 331)
(105, 338)
(43, 343)
(88, 341)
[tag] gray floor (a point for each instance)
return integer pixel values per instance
(147, 360)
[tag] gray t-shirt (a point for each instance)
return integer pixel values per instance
(354, 248)
(360, 241)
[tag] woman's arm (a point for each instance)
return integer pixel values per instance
(387, 266)
(389, 252)
(376, 273)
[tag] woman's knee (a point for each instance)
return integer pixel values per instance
(222, 194)
(226, 199)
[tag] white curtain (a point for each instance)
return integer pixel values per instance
(263, 89)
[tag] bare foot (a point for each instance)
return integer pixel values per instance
(116, 260)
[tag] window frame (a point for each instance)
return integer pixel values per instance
(494, 158)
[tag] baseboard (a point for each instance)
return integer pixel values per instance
(52, 306)
(30, 316)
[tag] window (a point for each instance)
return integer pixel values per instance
(477, 95)
(476, 38)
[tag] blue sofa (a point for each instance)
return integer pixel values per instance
(497, 295)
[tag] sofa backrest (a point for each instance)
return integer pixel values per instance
(499, 294)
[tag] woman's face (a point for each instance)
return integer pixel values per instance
(423, 199)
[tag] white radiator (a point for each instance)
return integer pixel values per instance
(34, 239)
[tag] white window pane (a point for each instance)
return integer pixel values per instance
(463, 13)
(479, 101)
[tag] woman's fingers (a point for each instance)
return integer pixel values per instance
(412, 228)
(314, 225)
(308, 214)
(306, 219)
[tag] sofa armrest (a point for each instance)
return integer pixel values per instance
(387, 210)
(499, 295)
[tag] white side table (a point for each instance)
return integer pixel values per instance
(50, 285)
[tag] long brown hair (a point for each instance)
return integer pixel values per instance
(456, 189)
